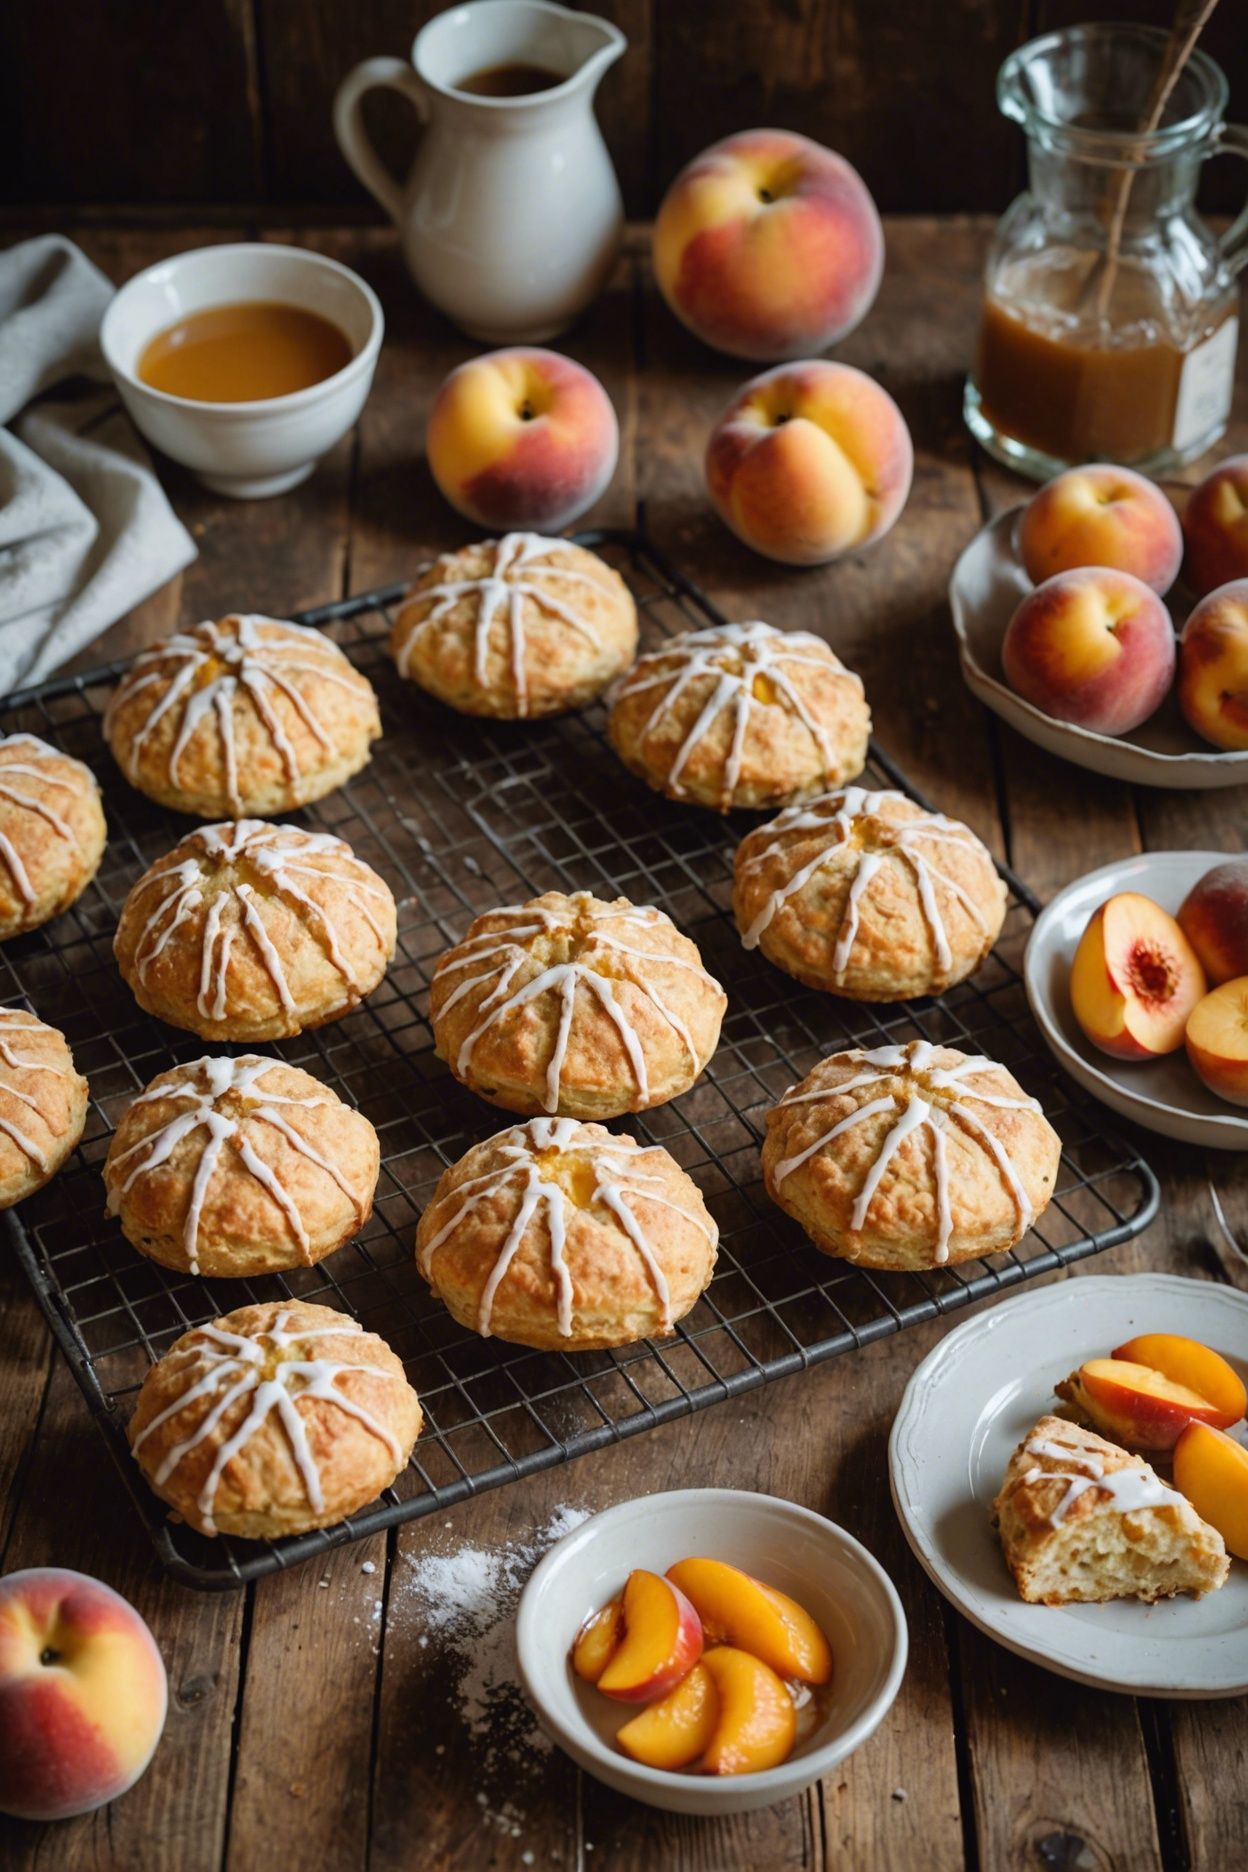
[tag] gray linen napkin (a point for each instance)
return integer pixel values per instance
(86, 532)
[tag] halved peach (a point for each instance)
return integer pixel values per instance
(1217, 1040)
(1188, 1362)
(1135, 979)
(1134, 1404)
(1211, 1468)
(661, 1640)
(674, 1732)
(757, 1717)
(597, 1640)
(741, 1610)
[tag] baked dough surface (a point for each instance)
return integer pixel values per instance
(43, 1104)
(52, 832)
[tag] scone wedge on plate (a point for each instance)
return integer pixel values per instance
(1082, 1521)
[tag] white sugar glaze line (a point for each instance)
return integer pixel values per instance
(207, 1081)
(914, 1063)
(519, 559)
(26, 801)
(241, 1372)
(15, 1020)
(210, 666)
(619, 1183)
(1130, 1489)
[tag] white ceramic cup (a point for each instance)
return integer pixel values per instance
(246, 450)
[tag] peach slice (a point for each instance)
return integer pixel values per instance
(1217, 1040)
(1135, 979)
(1188, 1362)
(597, 1640)
(1211, 1469)
(675, 1731)
(757, 1717)
(1134, 1404)
(661, 1641)
(739, 1609)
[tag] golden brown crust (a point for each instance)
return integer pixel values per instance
(298, 1450)
(577, 1006)
(913, 1156)
(240, 1167)
(250, 931)
(515, 627)
(245, 715)
(43, 1104)
(1082, 1521)
(741, 715)
(866, 895)
(627, 1227)
(52, 832)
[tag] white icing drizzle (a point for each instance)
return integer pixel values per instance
(207, 1083)
(620, 1182)
(1131, 1488)
(285, 860)
(498, 955)
(24, 762)
(520, 570)
(732, 657)
(15, 1021)
(205, 671)
(905, 1073)
(229, 1366)
(836, 817)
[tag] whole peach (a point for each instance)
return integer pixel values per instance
(1094, 647)
(810, 461)
(522, 439)
(1214, 918)
(82, 1694)
(768, 246)
(1213, 667)
(1215, 526)
(1100, 515)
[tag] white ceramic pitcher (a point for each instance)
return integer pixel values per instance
(511, 216)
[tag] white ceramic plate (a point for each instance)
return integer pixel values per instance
(1163, 1095)
(987, 586)
(968, 1405)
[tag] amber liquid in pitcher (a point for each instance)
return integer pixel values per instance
(244, 353)
(511, 80)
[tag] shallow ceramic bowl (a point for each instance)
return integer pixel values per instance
(811, 1559)
(245, 450)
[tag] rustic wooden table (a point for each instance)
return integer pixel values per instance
(315, 1719)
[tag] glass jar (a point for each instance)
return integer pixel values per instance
(1109, 316)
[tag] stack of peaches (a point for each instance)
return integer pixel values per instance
(1094, 644)
(1140, 980)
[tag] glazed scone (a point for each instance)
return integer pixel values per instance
(250, 931)
(868, 896)
(43, 1104)
(1081, 1521)
(240, 1167)
(913, 1156)
(244, 715)
(274, 1419)
(741, 715)
(515, 627)
(558, 1235)
(52, 832)
(575, 1006)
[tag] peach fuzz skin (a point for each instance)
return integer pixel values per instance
(83, 1694)
(1213, 668)
(1215, 527)
(1188, 1362)
(1134, 1404)
(522, 439)
(1101, 516)
(1214, 918)
(1094, 647)
(1135, 979)
(1217, 1041)
(768, 246)
(809, 462)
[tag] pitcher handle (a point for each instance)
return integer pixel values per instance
(352, 137)
(1232, 140)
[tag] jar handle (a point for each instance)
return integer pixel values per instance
(1232, 140)
(353, 139)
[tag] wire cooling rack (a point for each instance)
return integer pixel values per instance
(460, 816)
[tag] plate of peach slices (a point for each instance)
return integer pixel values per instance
(1133, 1379)
(1066, 612)
(1137, 975)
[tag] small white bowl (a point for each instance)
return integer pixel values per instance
(245, 450)
(792, 1548)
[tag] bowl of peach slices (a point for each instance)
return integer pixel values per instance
(710, 1650)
